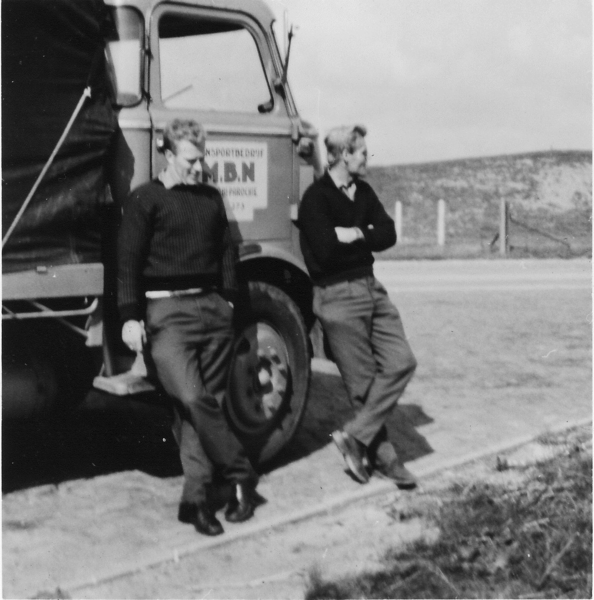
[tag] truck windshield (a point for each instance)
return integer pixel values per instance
(124, 55)
(211, 64)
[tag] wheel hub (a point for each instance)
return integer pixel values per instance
(260, 374)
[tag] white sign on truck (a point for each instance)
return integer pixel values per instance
(240, 172)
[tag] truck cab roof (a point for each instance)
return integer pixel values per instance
(254, 8)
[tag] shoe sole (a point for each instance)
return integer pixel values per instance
(359, 472)
(245, 517)
(406, 486)
(402, 484)
(209, 532)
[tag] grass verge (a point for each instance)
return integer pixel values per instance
(528, 538)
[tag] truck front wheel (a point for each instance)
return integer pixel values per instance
(270, 373)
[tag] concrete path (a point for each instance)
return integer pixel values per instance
(491, 376)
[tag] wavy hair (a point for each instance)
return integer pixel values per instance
(343, 138)
(183, 129)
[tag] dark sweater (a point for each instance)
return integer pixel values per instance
(325, 207)
(173, 239)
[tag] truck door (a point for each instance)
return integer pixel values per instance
(216, 67)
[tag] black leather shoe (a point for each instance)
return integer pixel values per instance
(201, 517)
(400, 475)
(354, 455)
(241, 507)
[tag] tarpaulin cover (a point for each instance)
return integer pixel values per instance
(51, 50)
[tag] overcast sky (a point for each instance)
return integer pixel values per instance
(443, 79)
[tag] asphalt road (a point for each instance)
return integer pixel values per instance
(483, 275)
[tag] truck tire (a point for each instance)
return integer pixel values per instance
(270, 373)
(46, 369)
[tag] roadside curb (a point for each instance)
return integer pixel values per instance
(374, 488)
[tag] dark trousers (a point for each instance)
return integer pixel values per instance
(191, 341)
(369, 345)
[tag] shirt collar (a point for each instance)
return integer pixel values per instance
(349, 189)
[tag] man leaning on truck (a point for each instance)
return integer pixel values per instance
(176, 265)
(341, 223)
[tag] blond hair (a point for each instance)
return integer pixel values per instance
(183, 129)
(343, 138)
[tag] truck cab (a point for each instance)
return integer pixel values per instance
(216, 62)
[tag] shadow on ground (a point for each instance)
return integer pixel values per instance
(329, 408)
(109, 435)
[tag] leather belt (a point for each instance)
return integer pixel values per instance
(153, 295)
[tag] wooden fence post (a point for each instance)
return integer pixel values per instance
(503, 227)
(398, 219)
(441, 222)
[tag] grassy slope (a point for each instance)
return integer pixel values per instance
(530, 537)
(550, 192)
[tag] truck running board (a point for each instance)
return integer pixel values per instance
(124, 384)
(132, 382)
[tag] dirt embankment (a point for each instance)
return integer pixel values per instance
(549, 192)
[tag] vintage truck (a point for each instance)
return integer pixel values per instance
(87, 89)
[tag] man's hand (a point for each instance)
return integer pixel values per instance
(348, 235)
(134, 335)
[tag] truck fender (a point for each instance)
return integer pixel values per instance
(251, 251)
